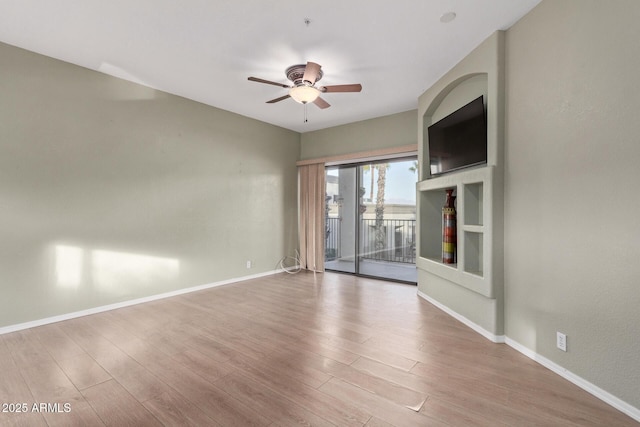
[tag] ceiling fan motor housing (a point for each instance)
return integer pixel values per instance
(296, 72)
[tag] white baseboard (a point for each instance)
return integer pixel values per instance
(67, 316)
(601, 394)
(593, 389)
(479, 329)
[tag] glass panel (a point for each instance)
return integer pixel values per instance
(340, 219)
(371, 219)
(387, 241)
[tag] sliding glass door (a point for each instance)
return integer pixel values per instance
(341, 219)
(370, 219)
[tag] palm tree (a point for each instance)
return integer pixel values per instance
(380, 234)
(370, 168)
(414, 168)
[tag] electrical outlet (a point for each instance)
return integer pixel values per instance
(561, 341)
(248, 264)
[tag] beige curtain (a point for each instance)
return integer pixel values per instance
(311, 188)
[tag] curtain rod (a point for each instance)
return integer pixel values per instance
(405, 150)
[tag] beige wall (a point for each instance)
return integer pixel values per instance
(110, 191)
(396, 130)
(572, 233)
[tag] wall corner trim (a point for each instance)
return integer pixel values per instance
(95, 310)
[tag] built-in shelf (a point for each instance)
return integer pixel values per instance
(473, 253)
(473, 202)
(479, 194)
(472, 189)
(473, 228)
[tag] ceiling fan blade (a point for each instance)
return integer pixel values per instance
(341, 88)
(311, 72)
(321, 103)
(255, 79)
(282, 98)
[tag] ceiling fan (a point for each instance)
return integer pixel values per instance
(304, 77)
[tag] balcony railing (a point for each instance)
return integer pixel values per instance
(396, 241)
(332, 243)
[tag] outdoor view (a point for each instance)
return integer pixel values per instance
(371, 219)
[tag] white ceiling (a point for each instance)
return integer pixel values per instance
(205, 49)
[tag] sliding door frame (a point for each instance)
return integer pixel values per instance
(358, 220)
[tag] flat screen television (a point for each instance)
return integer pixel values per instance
(459, 140)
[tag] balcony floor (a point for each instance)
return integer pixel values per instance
(384, 269)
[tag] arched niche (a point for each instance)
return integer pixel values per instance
(454, 96)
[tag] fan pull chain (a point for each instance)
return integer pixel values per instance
(305, 113)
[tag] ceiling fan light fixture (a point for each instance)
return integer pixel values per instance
(304, 94)
(304, 91)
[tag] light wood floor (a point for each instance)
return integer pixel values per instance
(284, 350)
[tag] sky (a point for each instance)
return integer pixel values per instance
(400, 185)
